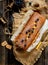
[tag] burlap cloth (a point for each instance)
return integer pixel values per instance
(29, 58)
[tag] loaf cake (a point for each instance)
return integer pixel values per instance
(26, 37)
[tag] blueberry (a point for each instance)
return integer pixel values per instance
(22, 40)
(37, 20)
